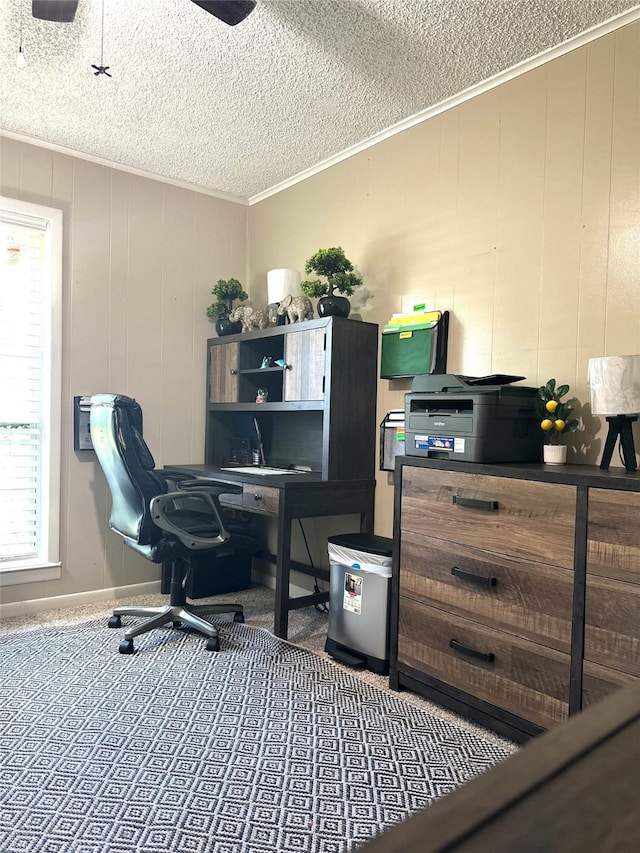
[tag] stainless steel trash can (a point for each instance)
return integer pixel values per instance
(360, 577)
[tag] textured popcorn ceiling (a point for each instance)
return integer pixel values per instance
(238, 110)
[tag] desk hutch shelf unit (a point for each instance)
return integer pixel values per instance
(320, 411)
(516, 588)
(320, 417)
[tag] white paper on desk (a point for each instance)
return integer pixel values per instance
(263, 471)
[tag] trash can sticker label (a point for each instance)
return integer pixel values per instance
(352, 593)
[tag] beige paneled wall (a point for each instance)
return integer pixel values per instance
(519, 211)
(140, 259)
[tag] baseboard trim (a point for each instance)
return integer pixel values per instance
(77, 599)
(262, 575)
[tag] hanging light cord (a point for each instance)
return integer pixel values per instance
(102, 35)
(102, 68)
(20, 59)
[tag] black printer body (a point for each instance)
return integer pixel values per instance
(472, 419)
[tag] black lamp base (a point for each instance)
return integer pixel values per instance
(620, 425)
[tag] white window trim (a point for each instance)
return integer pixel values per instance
(48, 569)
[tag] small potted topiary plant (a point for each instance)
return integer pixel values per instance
(338, 271)
(226, 292)
(555, 419)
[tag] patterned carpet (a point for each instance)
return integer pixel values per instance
(261, 747)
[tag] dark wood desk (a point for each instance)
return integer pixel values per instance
(574, 789)
(288, 497)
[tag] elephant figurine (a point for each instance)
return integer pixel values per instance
(250, 317)
(296, 308)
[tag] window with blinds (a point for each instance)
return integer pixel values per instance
(30, 261)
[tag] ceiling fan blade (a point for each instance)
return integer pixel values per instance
(229, 11)
(63, 11)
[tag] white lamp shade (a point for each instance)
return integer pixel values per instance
(282, 282)
(615, 385)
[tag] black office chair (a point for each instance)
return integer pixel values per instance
(164, 526)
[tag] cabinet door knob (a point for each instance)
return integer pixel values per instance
(481, 580)
(475, 503)
(487, 657)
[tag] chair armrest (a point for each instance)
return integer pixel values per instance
(188, 483)
(191, 484)
(209, 497)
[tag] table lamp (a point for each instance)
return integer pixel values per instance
(615, 393)
(280, 283)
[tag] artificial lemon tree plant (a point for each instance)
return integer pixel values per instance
(555, 413)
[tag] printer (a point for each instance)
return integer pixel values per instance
(472, 419)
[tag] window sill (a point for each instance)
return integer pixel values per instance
(14, 575)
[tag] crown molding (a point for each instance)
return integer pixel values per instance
(141, 173)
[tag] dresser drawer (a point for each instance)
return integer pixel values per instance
(613, 535)
(254, 498)
(524, 678)
(612, 624)
(521, 518)
(531, 599)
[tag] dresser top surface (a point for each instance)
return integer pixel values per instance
(573, 475)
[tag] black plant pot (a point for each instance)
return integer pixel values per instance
(333, 306)
(224, 326)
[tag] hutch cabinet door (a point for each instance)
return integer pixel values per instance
(223, 373)
(305, 356)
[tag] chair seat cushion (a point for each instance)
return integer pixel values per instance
(198, 523)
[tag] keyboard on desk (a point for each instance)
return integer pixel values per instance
(262, 469)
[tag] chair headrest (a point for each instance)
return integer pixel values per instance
(113, 401)
(134, 416)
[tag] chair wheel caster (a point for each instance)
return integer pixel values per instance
(126, 647)
(115, 622)
(238, 617)
(213, 644)
(177, 623)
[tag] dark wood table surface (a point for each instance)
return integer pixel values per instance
(575, 789)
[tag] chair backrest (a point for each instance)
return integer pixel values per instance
(116, 434)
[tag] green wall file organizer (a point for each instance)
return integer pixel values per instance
(408, 352)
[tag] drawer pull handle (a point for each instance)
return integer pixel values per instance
(257, 497)
(475, 503)
(233, 372)
(471, 653)
(481, 580)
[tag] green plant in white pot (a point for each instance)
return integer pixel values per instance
(555, 419)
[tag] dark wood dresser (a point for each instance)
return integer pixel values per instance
(516, 588)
